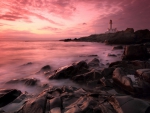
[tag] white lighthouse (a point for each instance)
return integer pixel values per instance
(110, 29)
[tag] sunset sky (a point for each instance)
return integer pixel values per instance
(25, 19)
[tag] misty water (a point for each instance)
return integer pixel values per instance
(14, 54)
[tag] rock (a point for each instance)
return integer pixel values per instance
(132, 65)
(2, 111)
(26, 81)
(83, 78)
(142, 36)
(27, 64)
(94, 63)
(8, 95)
(144, 74)
(107, 72)
(45, 69)
(92, 83)
(112, 55)
(106, 83)
(120, 78)
(70, 71)
(35, 105)
(135, 52)
(147, 45)
(129, 30)
(121, 37)
(125, 104)
(117, 47)
(82, 101)
(92, 55)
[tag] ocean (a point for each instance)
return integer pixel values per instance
(15, 54)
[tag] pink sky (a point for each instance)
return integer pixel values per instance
(24, 19)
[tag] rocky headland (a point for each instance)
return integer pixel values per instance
(122, 87)
(129, 36)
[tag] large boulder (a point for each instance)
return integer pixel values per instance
(142, 36)
(120, 78)
(70, 71)
(125, 104)
(135, 52)
(8, 95)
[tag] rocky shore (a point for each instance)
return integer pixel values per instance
(122, 87)
(129, 36)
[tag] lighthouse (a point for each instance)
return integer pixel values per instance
(111, 29)
(110, 24)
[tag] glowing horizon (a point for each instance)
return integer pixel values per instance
(70, 18)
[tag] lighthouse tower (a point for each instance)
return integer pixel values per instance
(110, 29)
(110, 24)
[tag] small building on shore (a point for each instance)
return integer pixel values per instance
(111, 29)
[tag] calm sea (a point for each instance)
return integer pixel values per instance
(14, 54)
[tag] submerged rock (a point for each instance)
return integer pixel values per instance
(112, 55)
(26, 81)
(45, 69)
(8, 95)
(117, 47)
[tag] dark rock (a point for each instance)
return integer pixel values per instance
(92, 83)
(112, 55)
(46, 68)
(83, 78)
(29, 63)
(125, 104)
(70, 71)
(82, 101)
(107, 72)
(121, 37)
(120, 78)
(147, 45)
(144, 74)
(129, 30)
(135, 52)
(117, 47)
(142, 36)
(94, 63)
(92, 55)
(26, 81)
(106, 83)
(8, 95)
(35, 105)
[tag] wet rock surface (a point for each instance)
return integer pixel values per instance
(8, 95)
(73, 100)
